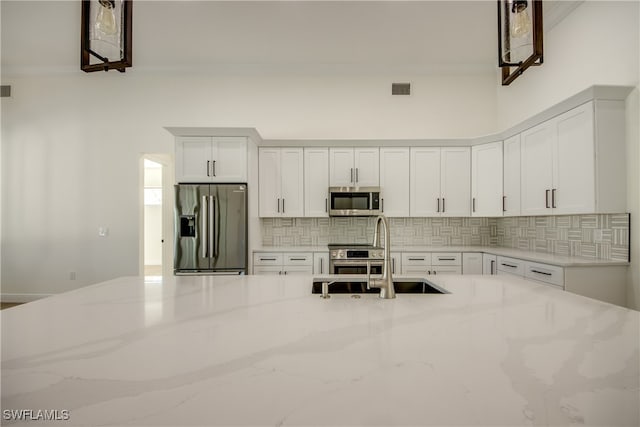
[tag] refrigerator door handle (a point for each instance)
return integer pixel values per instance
(212, 225)
(204, 226)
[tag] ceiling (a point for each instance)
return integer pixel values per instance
(268, 35)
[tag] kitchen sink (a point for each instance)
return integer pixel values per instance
(402, 286)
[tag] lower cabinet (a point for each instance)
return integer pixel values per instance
(545, 273)
(489, 264)
(277, 263)
(472, 263)
(421, 263)
(321, 263)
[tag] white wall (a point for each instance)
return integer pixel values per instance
(599, 43)
(72, 144)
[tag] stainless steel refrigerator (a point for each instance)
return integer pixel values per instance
(211, 229)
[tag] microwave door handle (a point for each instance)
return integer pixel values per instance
(204, 221)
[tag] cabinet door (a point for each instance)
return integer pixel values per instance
(229, 156)
(394, 181)
(269, 184)
(321, 263)
(489, 264)
(537, 169)
(472, 263)
(486, 179)
(341, 170)
(455, 187)
(267, 270)
(292, 182)
(574, 166)
(424, 185)
(396, 262)
(316, 182)
(511, 202)
(193, 157)
(367, 167)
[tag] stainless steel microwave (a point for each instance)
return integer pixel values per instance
(354, 201)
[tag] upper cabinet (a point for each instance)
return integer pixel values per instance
(486, 179)
(575, 162)
(440, 181)
(316, 182)
(511, 180)
(211, 159)
(281, 182)
(394, 181)
(354, 167)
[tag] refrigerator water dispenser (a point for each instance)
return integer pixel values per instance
(187, 226)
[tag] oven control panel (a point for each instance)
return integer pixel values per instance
(357, 254)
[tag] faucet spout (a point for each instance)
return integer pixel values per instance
(385, 282)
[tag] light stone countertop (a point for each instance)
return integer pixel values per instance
(545, 258)
(262, 350)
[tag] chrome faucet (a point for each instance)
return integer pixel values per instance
(385, 282)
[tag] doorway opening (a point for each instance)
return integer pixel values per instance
(156, 237)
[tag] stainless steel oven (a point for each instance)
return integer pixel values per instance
(353, 259)
(354, 201)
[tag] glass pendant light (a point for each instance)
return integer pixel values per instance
(521, 24)
(106, 19)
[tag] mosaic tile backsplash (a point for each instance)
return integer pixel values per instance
(591, 236)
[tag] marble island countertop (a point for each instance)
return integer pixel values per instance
(263, 350)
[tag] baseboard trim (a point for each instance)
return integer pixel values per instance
(22, 298)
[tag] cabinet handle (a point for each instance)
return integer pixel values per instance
(321, 266)
(473, 204)
(278, 205)
(298, 259)
(541, 272)
(546, 198)
(393, 265)
(357, 174)
(446, 259)
(435, 272)
(282, 205)
(214, 168)
(285, 273)
(326, 205)
(208, 168)
(279, 272)
(416, 259)
(443, 209)
(382, 205)
(553, 198)
(509, 265)
(504, 198)
(438, 205)
(351, 175)
(267, 259)
(492, 267)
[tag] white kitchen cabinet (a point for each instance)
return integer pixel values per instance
(506, 265)
(394, 181)
(426, 263)
(489, 264)
(575, 163)
(511, 179)
(316, 182)
(396, 262)
(211, 159)
(354, 167)
(281, 182)
(486, 179)
(472, 263)
(321, 263)
(283, 263)
(440, 181)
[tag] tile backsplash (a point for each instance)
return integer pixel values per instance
(603, 236)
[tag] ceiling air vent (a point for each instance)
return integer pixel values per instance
(5, 91)
(400, 88)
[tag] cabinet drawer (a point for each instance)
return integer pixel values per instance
(416, 259)
(416, 270)
(267, 258)
(297, 269)
(511, 265)
(446, 269)
(550, 274)
(446, 258)
(298, 258)
(267, 270)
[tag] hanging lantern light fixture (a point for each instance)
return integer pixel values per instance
(106, 35)
(519, 37)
